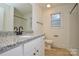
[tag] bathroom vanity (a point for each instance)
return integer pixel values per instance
(25, 46)
(21, 45)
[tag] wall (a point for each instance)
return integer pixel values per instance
(74, 25)
(8, 17)
(74, 30)
(1, 18)
(36, 17)
(63, 32)
(78, 33)
(28, 22)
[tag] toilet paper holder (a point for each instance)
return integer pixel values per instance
(56, 35)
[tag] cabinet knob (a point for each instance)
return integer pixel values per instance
(37, 51)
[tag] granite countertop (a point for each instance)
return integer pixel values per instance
(20, 40)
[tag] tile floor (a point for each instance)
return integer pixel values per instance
(57, 52)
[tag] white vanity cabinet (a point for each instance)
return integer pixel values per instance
(28, 49)
(39, 46)
(34, 48)
(18, 51)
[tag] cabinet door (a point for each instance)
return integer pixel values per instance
(39, 46)
(34, 47)
(18, 51)
(1, 18)
(29, 48)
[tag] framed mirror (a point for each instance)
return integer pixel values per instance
(23, 16)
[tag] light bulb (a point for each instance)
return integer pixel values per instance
(48, 5)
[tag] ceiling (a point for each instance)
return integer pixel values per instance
(43, 5)
(23, 8)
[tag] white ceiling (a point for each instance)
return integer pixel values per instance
(43, 5)
(23, 8)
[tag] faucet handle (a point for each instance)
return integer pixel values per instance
(15, 28)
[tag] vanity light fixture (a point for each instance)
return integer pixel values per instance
(48, 5)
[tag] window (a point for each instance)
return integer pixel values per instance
(56, 20)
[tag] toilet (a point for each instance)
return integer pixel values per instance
(48, 44)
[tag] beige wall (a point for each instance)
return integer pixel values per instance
(1, 18)
(28, 22)
(36, 17)
(78, 31)
(9, 22)
(8, 17)
(74, 25)
(69, 30)
(43, 15)
(63, 31)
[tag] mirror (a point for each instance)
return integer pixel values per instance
(15, 15)
(23, 16)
